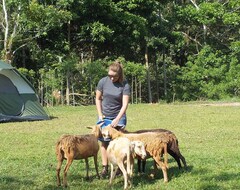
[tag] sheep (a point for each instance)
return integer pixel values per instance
(155, 144)
(172, 148)
(75, 147)
(121, 152)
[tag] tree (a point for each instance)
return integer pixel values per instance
(25, 21)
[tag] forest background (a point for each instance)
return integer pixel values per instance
(180, 50)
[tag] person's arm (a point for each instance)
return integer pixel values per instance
(99, 104)
(125, 101)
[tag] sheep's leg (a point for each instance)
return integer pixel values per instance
(176, 158)
(183, 160)
(154, 168)
(68, 164)
(180, 155)
(143, 165)
(165, 155)
(125, 175)
(59, 164)
(128, 164)
(87, 168)
(96, 165)
(113, 174)
(162, 166)
(130, 181)
(139, 162)
(176, 151)
(131, 166)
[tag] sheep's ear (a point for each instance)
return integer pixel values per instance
(100, 125)
(132, 145)
(90, 127)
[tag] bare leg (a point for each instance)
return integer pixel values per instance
(104, 153)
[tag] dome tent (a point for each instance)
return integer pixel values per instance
(18, 100)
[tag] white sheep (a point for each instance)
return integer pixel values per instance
(155, 144)
(121, 152)
(76, 147)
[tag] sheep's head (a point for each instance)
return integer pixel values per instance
(138, 148)
(106, 132)
(96, 130)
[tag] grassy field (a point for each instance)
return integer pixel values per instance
(209, 138)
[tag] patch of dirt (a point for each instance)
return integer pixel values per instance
(223, 104)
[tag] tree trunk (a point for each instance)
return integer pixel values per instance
(165, 76)
(132, 91)
(156, 77)
(136, 90)
(140, 92)
(8, 39)
(148, 76)
(67, 88)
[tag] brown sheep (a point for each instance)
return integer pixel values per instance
(75, 147)
(172, 148)
(155, 144)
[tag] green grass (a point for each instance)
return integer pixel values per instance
(209, 138)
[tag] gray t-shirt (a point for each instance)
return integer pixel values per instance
(112, 93)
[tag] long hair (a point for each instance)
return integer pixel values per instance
(117, 67)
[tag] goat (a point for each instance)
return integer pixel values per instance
(75, 147)
(155, 144)
(172, 148)
(121, 152)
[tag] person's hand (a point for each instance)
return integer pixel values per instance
(100, 117)
(114, 123)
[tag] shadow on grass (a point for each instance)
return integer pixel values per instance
(173, 172)
(77, 179)
(7, 183)
(212, 181)
(53, 117)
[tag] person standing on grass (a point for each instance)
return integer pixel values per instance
(112, 98)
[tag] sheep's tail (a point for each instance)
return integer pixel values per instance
(58, 147)
(174, 145)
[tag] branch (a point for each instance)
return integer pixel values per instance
(189, 37)
(194, 3)
(204, 26)
(15, 27)
(6, 24)
(19, 48)
(3, 26)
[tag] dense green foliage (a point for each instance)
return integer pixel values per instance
(208, 138)
(191, 50)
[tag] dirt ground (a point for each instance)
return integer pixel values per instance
(222, 104)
